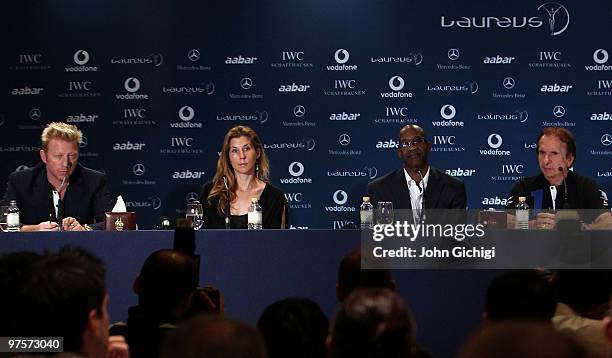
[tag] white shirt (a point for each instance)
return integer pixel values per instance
(416, 194)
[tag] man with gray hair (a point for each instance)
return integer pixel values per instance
(59, 193)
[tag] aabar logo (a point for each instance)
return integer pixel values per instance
(240, 60)
(129, 146)
(188, 174)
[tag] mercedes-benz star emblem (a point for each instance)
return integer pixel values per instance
(344, 139)
(193, 55)
(606, 139)
(246, 83)
(299, 110)
(508, 83)
(191, 197)
(453, 54)
(84, 142)
(138, 169)
(35, 114)
(559, 111)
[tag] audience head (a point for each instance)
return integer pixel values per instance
(166, 283)
(520, 295)
(15, 269)
(294, 327)
(586, 291)
(371, 323)
(522, 339)
(65, 296)
(214, 336)
(352, 276)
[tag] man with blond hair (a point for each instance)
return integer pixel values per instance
(59, 193)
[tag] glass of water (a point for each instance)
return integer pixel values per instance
(195, 213)
(3, 214)
(384, 212)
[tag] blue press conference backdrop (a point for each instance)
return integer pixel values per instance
(154, 86)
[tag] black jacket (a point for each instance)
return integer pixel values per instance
(86, 198)
(442, 192)
(273, 205)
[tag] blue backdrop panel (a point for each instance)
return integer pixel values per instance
(155, 85)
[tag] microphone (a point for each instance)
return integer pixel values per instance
(227, 205)
(565, 203)
(60, 201)
(423, 189)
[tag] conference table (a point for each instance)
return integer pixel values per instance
(254, 268)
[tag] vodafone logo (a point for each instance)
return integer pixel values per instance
(396, 83)
(131, 84)
(340, 197)
(448, 111)
(600, 56)
(296, 169)
(81, 57)
(495, 141)
(341, 56)
(186, 113)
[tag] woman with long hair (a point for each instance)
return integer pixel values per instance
(242, 173)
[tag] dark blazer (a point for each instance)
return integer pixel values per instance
(86, 198)
(442, 192)
(273, 205)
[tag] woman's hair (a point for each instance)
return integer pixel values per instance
(224, 167)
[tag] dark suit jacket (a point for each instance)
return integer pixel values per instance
(442, 192)
(86, 199)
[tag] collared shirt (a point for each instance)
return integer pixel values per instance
(416, 194)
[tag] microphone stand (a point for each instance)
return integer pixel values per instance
(423, 216)
(227, 205)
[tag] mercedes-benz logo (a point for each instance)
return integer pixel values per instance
(450, 109)
(246, 83)
(84, 142)
(453, 54)
(340, 197)
(35, 114)
(559, 111)
(193, 55)
(495, 140)
(344, 139)
(296, 172)
(192, 196)
(81, 57)
(399, 85)
(131, 84)
(299, 110)
(508, 83)
(138, 169)
(606, 139)
(600, 56)
(186, 113)
(341, 56)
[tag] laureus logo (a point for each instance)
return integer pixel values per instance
(558, 17)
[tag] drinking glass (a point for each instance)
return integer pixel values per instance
(3, 213)
(195, 213)
(384, 212)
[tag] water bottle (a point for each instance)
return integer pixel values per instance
(522, 214)
(12, 217)
(366, 213)
(255, 215)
